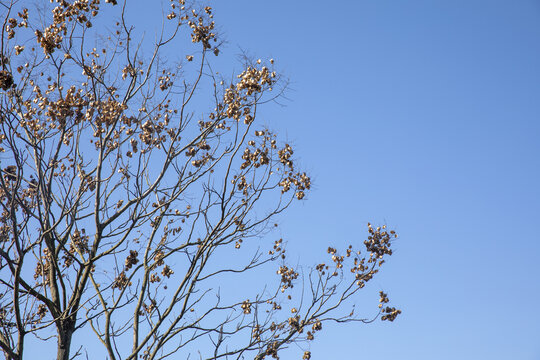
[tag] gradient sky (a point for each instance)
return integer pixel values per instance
(423, 115)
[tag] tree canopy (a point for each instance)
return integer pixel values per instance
(136, 189)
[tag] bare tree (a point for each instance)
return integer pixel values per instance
(135, 192)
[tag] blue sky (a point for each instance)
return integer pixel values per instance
(423, 115)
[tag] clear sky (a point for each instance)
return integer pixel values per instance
(424, 115)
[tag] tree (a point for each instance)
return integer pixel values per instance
(128, 182)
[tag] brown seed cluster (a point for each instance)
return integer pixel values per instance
(253, 80)
(378, 242)
(272, 349)
(108, 112)
(337, 259)
(261, 156)
(201, 32)
(131, 259)
(258, 157)
(128, 70)
(69, 106)
(6, 80)
(300, 181)
(154, 278)
(12, 23)
(256, 332)
(43, 266)
(79, 240)
(10, 173)
(236, 103)
(167, 271)
(295, 324)
(364, 268)
(40, 314)
(288, 275)
(278, 249)
(390, 313)
(150, 307)
(165, 80)
(246, 307)
(158, 258)
(285, 156)
(121, 281)
(80, 11)
(78, 244)
(238, 243)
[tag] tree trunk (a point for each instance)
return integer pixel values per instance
(65, 332)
